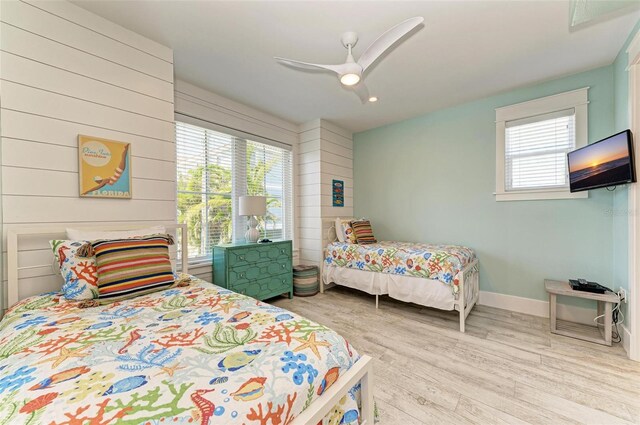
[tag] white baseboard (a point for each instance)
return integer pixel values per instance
(536, 307)
(626, 337)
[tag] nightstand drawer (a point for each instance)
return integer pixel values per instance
(258, 254)
(239, 275)
(266, 288)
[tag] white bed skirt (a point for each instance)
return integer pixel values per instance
(426, 292)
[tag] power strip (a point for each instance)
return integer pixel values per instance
(622, 294)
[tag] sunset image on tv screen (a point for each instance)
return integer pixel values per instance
(600, 164)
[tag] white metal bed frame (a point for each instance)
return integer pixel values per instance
(468, 284)
(361, 371)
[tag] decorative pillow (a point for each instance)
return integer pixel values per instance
(131, 267)
(79, 274)
(90, 235)
(349, 236)
(363, 232)
(344, 231)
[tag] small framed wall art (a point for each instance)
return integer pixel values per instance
(104, 168)
(337, 189)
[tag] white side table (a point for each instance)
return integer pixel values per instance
(605, 305)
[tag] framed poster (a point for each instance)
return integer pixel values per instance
(104, 168)
(338, 193)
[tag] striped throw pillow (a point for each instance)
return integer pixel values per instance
(363, 231)
(131, 267)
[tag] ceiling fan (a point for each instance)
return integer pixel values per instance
(351, 72)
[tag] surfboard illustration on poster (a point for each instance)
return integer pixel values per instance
(104, 168)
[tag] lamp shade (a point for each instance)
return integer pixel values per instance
(252, 205)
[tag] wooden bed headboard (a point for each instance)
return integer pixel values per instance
(15, 233)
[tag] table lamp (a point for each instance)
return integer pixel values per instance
(252, 206)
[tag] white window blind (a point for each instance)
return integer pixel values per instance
(536, 151)
(268, 172)
(204, 166)
(213, 170)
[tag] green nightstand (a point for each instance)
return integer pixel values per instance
(259, 270)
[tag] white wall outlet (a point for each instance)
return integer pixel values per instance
(623, 294)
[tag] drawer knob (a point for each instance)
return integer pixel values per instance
(241, 274)
(241, 257)
(282, 251)
(284, 265)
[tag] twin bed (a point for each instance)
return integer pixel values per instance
(191, 354)
(445, 277)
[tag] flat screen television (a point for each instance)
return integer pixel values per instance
(607, 162)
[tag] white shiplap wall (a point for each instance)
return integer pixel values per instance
(325, 153)
(64, 72)
(208, 107)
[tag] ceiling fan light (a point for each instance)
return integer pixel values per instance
(373, 99)
(350, 79)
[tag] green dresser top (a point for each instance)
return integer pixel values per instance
(238, 245)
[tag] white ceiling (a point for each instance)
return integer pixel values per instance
(466, 50)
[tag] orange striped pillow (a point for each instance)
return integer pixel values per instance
(128, 268)
(363, 231)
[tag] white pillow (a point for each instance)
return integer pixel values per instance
(339, 229)
(89, 235)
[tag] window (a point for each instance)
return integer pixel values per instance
(536, 151)
(266, 169)
(213, 170)
(532, 142)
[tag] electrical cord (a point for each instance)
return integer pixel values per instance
(616, 317)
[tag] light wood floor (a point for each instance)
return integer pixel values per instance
(506, 369)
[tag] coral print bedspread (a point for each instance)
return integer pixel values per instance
(198, 354)
(441, 262)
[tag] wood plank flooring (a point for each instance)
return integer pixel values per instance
(506, 369)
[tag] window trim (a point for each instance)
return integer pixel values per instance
(230, 131)
(576, 99)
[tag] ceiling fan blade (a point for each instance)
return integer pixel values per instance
(361, 91)
(386, 40)
(313, 66)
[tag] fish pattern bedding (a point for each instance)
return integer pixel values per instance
(198, 354)
(438, 262)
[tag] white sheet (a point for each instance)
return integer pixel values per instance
(426, 292)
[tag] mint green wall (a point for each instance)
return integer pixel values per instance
(432, 178)
(620, 207)
(621, 83)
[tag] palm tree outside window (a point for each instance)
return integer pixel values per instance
(213, 170)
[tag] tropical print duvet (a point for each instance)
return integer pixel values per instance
(198, 354)
(438, 262)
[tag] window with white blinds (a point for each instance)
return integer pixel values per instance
(532, 142)
(213, 170)
(536, 151)
(268, 173)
